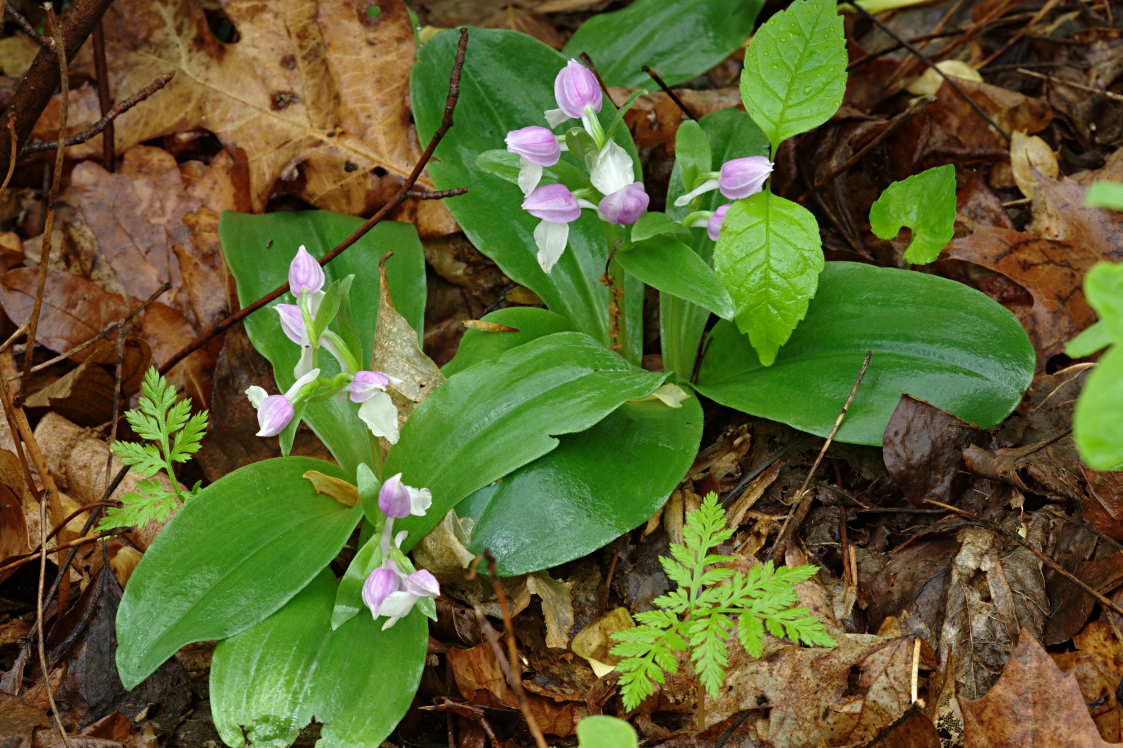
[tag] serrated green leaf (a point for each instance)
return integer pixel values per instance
(177, 416)
(924, 202)
(188, 441)
(795, 69)
(144, 459)
(751, 633)
(769, 256)
(145, 426)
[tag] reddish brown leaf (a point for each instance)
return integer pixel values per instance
(923, 448)
(1032, 704)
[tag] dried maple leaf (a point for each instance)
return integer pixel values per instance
(312, 92)
(1032, 703)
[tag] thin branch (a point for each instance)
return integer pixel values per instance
(59, 45)
(104, 98)
(24, 24)
(667, 90)
(1071, 84)
(927, 61)
(10, 124)
(39, 610)
(803, 495)
(435, 194)
(106, 120)
(411, 180)
(14, 562)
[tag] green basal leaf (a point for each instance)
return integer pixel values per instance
(932, 338)
(529, 323)
(597, 484)
(668, 265)
(502, 62)
(234, 554)
(1105, 195)
(680, 40)
(924, 202)
(658, 224)
(692, 154)
(769, 256)
(358, 680)
(730, 134)
(602, 731)
(498, 415)
(500, 163)
(795, 70)
(258, 249)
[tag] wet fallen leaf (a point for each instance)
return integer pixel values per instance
(1029, 154)
(1032, 703)
(1097, 665)
(923, 447)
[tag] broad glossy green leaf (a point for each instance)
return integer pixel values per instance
(769, 256)
(594, 487)
(795, 69)
(233, 555)
(731, 134)
(680, 40)
(654, 223)
(260, 678)
(507, 83)
(932, 338)
(498, 415)
(530, 322)
(602, 731)
(1097, 422)
(258, 249)
(357, 680)
(924, 202)
(670, 266)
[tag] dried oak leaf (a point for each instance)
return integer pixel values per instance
(312, 92)
(1098, 667)
(1032, 703)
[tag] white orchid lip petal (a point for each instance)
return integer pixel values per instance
(299, 384)
(612, 170)
(551, 239)
(380, 416)
(707, 186)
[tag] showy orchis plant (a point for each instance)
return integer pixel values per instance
(699, 614)
(175, 434)
(307, 324)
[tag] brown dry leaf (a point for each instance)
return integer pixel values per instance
(1050, 271)
(929, 82)
(1059, 213)
(397, 353)
(479, 678)
(312, 92)
(1029, 153)
(557, 606)
(14, 497)
(1032, 704)
(1098, 667)
(923, 447)
(993, 592)
(153, 224)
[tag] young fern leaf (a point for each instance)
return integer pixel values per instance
(176, 435)
(709, 602)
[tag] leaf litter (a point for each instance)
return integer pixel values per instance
(941, 617)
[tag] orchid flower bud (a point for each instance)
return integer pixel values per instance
(305, 274)
(625, 206)
(292, 323)
(422, 583)
(381, 583)
(713, 226)
(553, 203)
(742, 177)
(398, 603)
(393, 498)
(534, 144)
(273, 414)
(575, 88)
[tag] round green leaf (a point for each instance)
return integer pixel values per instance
(602, 731)
(235, 553)
(258, 249)
(1097, 422)
(594, 487)
(932, 338)
(680, 40)
(924, 202)
(498, 415)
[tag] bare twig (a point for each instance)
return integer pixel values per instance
(927, 61)
(667, 90)
(39, 613)
(403, 191)
(1041, 13)
(42, 78)
(1013, 537)
(24, 24)
(510, 662)
(14, 562)
(803, 495)
(1071, 84)
(56, 182)
(10, 124)
(106, 120)
(104, 98)
(435, 194)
